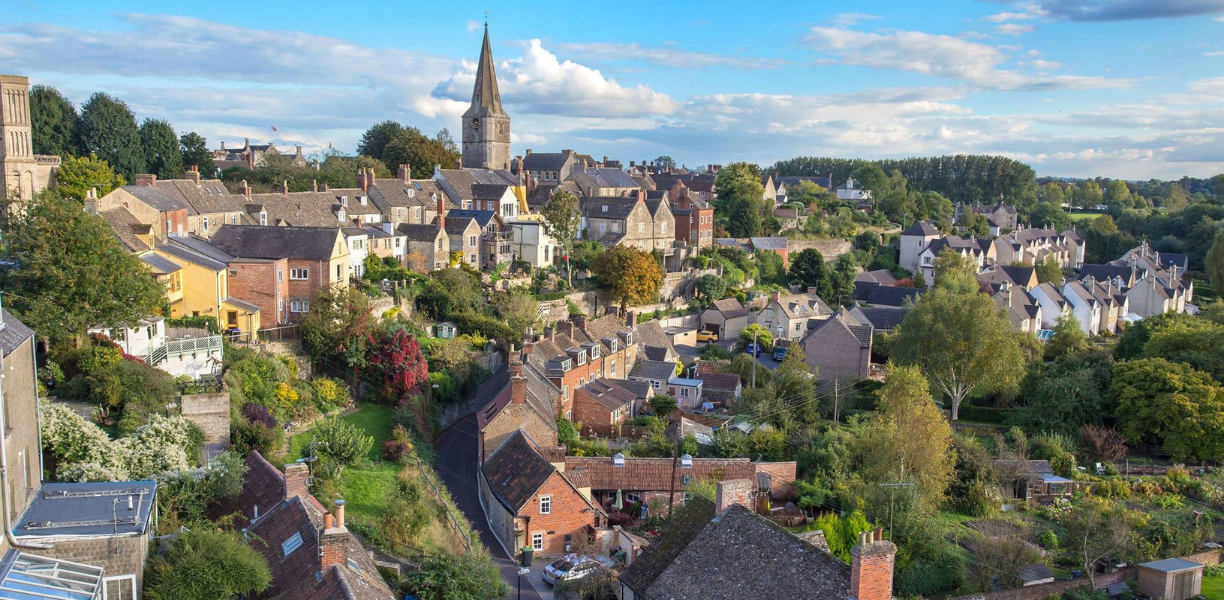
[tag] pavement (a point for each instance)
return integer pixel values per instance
(457, 454)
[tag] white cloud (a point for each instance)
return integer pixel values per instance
(851, 18)
(1216, 53)
(1030, 12)
(538, 82)
(940, 56)
(1013, 29)
(473, 26)
(666, 57)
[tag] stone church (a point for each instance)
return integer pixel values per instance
(486, 127)
(24, 173)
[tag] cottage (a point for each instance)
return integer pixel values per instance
(720, 387)
(726, 318)
(839, 348)
(532, 503)
(602, 407)
(528, 402)
(656, 373)
(317, 257)
(788, 316)
(686, 391)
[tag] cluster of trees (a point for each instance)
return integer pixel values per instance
(394, 144)
(107, 129)
(740, 206)
(633, 276)
(961, 178)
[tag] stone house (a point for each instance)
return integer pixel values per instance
(459, 184)
(528, 402)
(105, 524)
(403, 199)
(603, 182)
(210, 204)
(725, 317)
(533, 502)
(531, 243)
(339, 207)
(316, 257)
(629, 221)
(548, 167)
(22, 447)
(1030, 246)
(839, 348)
(146, 204)
(497, 198)
(495, 242)
(788, 316)
(428, 246)
(656, 373)
(1053, 304)
(1097, 306)
(999, 217)
(690, 559)
(914, 239)
(465, 236)
(385, 242)
(602, 408)
(253, 156)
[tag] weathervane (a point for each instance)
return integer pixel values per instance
(486, 19)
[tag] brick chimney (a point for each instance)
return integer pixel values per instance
(193, 173)
(812, 290)
(518, 383)
(285, 187)
(363, 181)
(145, 179)
(550, 333)
(297, 476)
(871, 567)
(333, 539)
(775, 296)
(580, 321)
(404, 173)
(632, 320)
(458, 164)
(441, 212)
(732, 492)
(314, 185)
(245, 189)
(324, 186)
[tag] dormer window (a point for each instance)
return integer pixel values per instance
(612, 345)
(605, 208)
(263, 217)
(340, 213)
(567, 364)
(594, 352)
(343, 200)
(582, 357)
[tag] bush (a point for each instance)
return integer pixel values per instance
(1115, 489)
(330, 393)
(248, 435)
(982, 414)
(184, 495)
(206, 565)
(1048, 539)
(341, 444)
(926, 578)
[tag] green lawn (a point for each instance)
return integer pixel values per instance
(1213, 588)
(365, 487)
(1084, 216)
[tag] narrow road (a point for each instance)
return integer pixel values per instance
(457, 450)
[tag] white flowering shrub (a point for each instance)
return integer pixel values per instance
(85, 453)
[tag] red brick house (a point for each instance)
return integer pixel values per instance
(568, 362)
(532, 502)
(315, 257)
(602, 407)
(694, 219)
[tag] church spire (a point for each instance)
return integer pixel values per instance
(485, 98)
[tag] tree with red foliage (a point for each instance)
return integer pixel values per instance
(397, 354)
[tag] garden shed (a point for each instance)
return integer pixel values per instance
(1171, 579)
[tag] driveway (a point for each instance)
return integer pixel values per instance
(457, 451)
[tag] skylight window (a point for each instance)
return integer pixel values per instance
(291, 544)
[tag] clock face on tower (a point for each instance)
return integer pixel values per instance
(476, 123)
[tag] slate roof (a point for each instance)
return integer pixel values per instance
(824, 181)
(1035, 572)
(885, 295)
(605, 329)
(253, 241)
(489, 191)
(650, 335)
(741, 555)
(881, 318)
(174, 247)
(462, 180)
(730, 308)
(155, 197)
(159, 265)
(803, 306)
(655, 474)
(609, 396)
(880, 276)
(1104, 272)
(604, 178)
(394, 193)
(516, 471)
(653, 369)
(482, 217)
(845, 320)
(639, 389)
(770, 243)
(681, 530)
(208, 196)
(1169, 259)
(921, 228)
(126, 227)
(1171, 565)
(56, 510)
(419, 233)
(315, 209)
(13, 333)
(1053, 293)
(618, 207)
(546, 161)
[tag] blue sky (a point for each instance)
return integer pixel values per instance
(1120, 88)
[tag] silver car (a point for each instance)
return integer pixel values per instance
(569, 568)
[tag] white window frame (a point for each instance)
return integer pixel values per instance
(537, 542)
(299, 274)
(546, 505)
(299, 306)
(106, 590)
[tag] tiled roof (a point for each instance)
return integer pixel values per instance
(650, 334)
(489, 191)
(315, 209)
(395, 193)
(681, 530)
(639, 389)
(743, 555)
(871, 293)
(516, 471)
(126, 227)
(419, 233)
(156, 197)
(653, 369)
(462, 180)
(253, 241)
(881, 318)
(13, 334)
(719, 382)
(546, 161)
(878, 276)
(824, 181)
(770, 243)
(208, 196)
(609, 178)
(609, 207)
(263, 487)
(482, 217)
(608, 396)
(174, 247)
(1104, 272)
(921, 228)
(541, 396)
(844, 320)
(730, 308)
(655, 474)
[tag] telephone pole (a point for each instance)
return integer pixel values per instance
(836, 399)
(755, 351)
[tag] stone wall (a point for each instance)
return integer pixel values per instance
(830, 249)
(211, 412)
(123, 555)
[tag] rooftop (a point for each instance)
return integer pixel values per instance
(88, 510)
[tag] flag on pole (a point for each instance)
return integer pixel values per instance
(273, 128)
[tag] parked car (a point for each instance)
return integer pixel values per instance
(779, 354)
(571, 567)
(706, 336)
(752, 349)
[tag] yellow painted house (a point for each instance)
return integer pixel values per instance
(168, 273)
(205, 285)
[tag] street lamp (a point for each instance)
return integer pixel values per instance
(521, 572)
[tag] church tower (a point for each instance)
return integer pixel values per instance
(486, 127)
(22, 173)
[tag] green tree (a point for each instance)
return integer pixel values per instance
(518, 309)
(465, 576)
(1215, 261)
(411, 147)
(205, 564)
(1095, 529)
(1170, 404)
(1117, 194)
(710, 287)
(807, 268)
(53, 120)
(958, 337)
(376, 138)
(108, 131)
(759, 333)
(163, 156)
(662, 405)
(741, 199)
(665, 162)
(194, 149)
(339, 444)
(770, 269)
(1051, 214)
(633, 276)
(561, 222)
(841, 280)
(1063, 397)
(1049, 271)
(71, 273)
(78, 175)
(908, 440)
(1069, 339)
(956, 272)
(336, 331)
